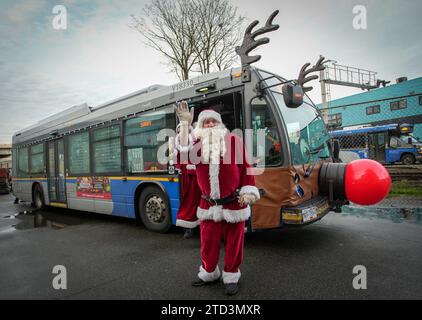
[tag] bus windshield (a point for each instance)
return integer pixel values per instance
(410, 139)
(308, 137)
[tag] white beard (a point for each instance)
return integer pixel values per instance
(213, 147)
(213, 143)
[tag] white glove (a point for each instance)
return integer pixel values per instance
(183, 113)
(247, 199)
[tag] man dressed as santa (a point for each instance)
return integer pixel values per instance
(228, 188)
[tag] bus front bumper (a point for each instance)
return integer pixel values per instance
(307, 212)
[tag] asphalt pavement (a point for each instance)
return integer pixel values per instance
(112, 258)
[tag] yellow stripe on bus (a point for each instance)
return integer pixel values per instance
(146, 178)
(29, 179)
(58, 204)
(136, 178)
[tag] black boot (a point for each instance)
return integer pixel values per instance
(188, 233)
(231, 288)
(199, 282)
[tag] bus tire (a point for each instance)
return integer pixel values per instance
(408, 159)
(38, 198)
(154, 209)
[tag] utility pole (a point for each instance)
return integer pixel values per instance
(325, 91)
(324, 110)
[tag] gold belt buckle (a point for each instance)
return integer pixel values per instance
(213, 204)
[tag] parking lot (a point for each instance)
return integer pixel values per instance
(111, 258)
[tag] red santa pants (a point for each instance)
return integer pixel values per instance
(212, 233)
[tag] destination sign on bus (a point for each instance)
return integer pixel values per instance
(144, 124)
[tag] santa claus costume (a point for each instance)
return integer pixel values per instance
(190, 194)
(224, 176)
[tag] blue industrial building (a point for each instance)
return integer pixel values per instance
(397, 103)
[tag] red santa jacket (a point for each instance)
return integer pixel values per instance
(233, 173)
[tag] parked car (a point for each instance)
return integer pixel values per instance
(4, 180)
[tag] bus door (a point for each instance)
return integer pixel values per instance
(56, 172)
(377, 146)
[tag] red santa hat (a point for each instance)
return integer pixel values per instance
(208, 114)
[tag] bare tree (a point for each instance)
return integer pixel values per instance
(166, 28)
(193, 35)
(218, 33)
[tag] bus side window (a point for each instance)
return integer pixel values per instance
(395, 142)
(263, 121)
(141, 142)
(23, 163)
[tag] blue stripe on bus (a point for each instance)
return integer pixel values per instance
(123, 197)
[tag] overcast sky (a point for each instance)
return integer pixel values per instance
(99, 58)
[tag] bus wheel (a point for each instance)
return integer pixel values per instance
(154, 209)
(38, 198)
(407, 159)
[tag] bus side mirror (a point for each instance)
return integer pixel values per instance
(293, 95)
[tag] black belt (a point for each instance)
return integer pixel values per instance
(219, 202)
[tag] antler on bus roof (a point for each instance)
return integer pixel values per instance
(319, 66)
(249, 43)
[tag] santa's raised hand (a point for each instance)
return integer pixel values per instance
(183, 113)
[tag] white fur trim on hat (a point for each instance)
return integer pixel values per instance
(231, 277)
(207, 276)
(208, 114)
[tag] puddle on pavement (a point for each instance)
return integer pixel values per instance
(396, 215)
(40, 219)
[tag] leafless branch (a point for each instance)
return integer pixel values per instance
(192, 35)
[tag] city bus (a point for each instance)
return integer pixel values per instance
(112, 158)
(387, 144)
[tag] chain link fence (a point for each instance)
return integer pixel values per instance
(401, 157)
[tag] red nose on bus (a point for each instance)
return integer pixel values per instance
(364, 182)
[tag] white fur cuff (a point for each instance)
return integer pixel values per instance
(209, 277)
(181, 148)
(231, 277)
(250, 190)
(187, 224)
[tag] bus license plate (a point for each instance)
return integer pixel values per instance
(310, 214)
